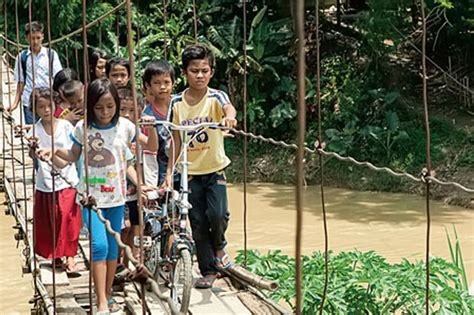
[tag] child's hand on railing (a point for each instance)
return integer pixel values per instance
(44, 154)
(228, 122)
(149, 122)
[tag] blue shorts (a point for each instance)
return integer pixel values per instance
(104, 245)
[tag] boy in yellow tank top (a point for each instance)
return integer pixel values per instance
(209, 215)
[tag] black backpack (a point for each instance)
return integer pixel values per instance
(24, 57)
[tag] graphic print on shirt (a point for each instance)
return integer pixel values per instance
(198, 136)
(98, 155)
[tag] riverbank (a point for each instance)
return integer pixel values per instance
(391, 224)
(453, 152)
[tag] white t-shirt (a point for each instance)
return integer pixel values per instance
(108, 152)
(150, 168)
(62, 140)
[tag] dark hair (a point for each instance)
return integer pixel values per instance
(125, 93)
(64, 76)
(95, 91)
(94, 59)
(158, 67)
(70, 88)
(43, 92)
(111, 63)
(33, 27)
(195, 52)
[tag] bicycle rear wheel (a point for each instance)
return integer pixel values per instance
(181, 280)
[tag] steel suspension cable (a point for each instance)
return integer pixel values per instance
(195, 21)
(33, 131)
(138, 152)
(244, 100)
(321, 164)
(75, 32)
(165, 28)
(76, 56)
(67, 56)
(85, 64)
(428, 160)
(2, 109)
(12, 137)
(117, 32)
(301, 64)
(25, 199)
(53, 177)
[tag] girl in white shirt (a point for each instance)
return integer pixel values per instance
(66, 211)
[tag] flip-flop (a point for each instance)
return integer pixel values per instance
(205, 282)
(114, 307)
(223, 263)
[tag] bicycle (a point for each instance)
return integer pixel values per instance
(168, 247)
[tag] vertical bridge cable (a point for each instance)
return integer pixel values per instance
(117, 32)
(76, 56)
(33, 130)
(25, 199)
(426, 172)
(195, 21)
(50, 75)
(67, 56)
(301, 64)
(244, 100)
(137, 143)
(84, 142)
(12, 136)
(321, 164)
(165, 20)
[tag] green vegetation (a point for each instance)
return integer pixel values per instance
(364, 283)
(370, 83)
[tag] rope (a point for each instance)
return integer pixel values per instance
(428, 160)
(10, 102)
(195, 21)
(84, 141)
(25, 203)
(165, 21)
(50, 65)
(299, 27)
(244, 100)
(321, 164)
(33, 81)
(78, 31)
(137, 145)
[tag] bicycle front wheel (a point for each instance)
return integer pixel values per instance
(182, 280)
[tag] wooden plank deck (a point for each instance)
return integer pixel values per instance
(72, 293)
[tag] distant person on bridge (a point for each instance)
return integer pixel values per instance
(209, 215)
(24, 70)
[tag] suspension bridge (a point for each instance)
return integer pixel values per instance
(56, 293)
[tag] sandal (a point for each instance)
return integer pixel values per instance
(71, 266)
(205, 282)
(114, 307)
(223, 263)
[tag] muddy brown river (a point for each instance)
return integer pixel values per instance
(393, 225)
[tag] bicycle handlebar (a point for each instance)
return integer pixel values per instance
(172, 126)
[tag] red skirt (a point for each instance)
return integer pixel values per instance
(67, 223)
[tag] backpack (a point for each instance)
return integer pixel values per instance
(24, 58)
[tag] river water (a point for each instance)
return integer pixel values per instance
(393, 225)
